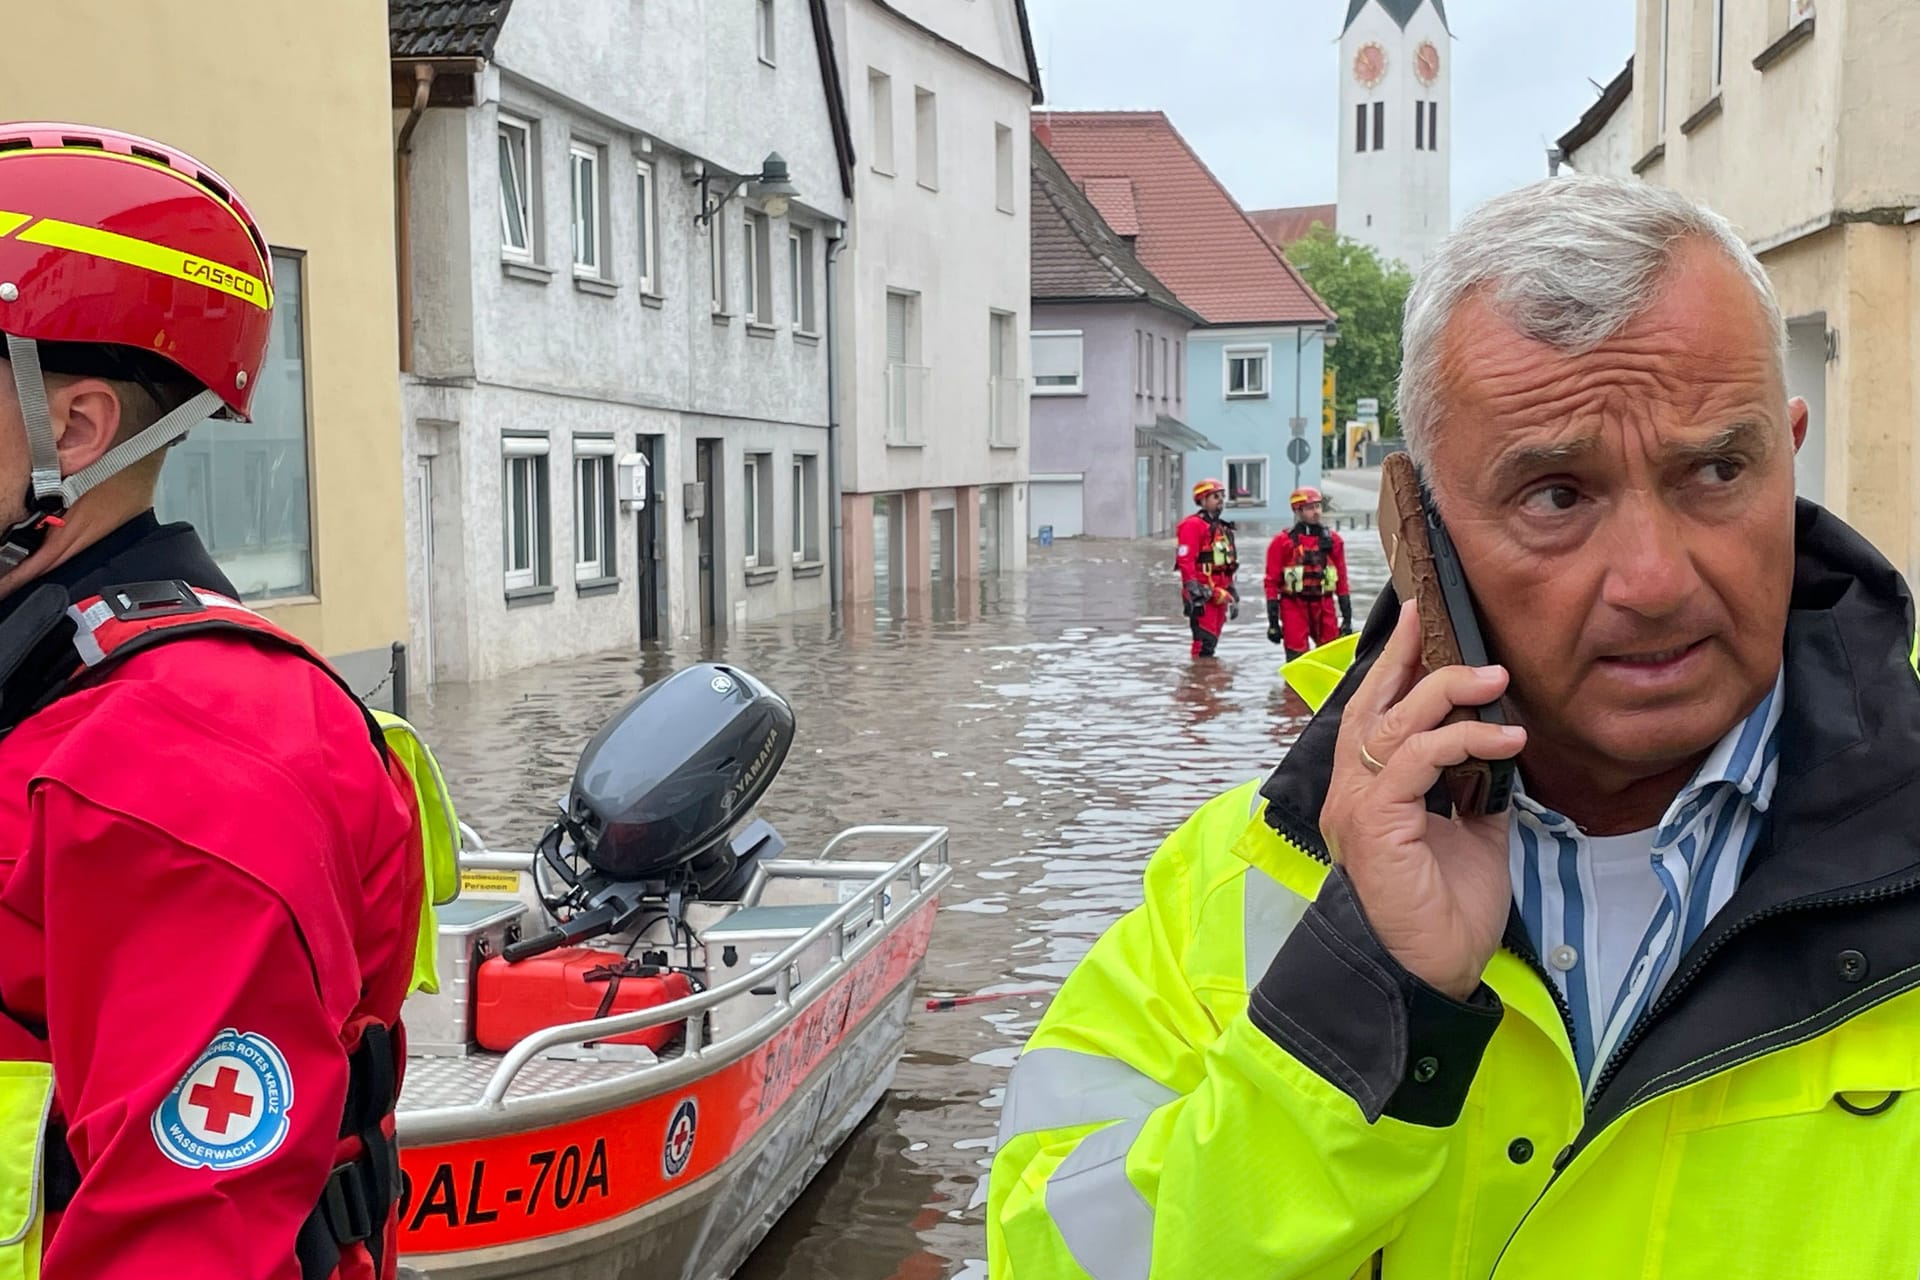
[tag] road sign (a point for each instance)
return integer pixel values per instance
(1299, 426)
(1367, 408)
(1298, 451)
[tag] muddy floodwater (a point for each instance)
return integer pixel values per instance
(1056, 724)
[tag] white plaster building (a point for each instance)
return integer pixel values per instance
(569, 312)
(932, 293)
(1396, 121)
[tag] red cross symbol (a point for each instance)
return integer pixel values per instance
(682, 1139)
(221, 1100)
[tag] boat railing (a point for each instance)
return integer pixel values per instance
(926, 867)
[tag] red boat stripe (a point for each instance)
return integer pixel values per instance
(524, 1186)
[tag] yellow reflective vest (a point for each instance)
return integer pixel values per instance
(1767, 1125)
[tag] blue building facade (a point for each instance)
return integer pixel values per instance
(1245, 386)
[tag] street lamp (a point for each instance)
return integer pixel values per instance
(773, 186)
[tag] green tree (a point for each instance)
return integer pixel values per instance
(1369, 294)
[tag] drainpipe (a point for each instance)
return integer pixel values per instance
(403, 205)
(834, 567)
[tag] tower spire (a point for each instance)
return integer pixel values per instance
(1401, 11)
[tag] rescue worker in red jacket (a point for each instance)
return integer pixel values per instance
(1207, 560)
(210, 880)
(1306, 574)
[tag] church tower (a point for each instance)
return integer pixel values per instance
(1396, 124)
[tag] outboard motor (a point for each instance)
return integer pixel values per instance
(656, 798)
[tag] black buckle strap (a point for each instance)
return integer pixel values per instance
(360, 1194)
(346, 1204)
(59, 1169)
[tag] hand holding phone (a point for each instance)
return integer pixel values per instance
(1426, 569)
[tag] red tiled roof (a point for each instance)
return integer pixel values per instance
(1113, 197)
(1284, 226)
(1192, 233)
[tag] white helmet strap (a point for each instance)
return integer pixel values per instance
(50, 496)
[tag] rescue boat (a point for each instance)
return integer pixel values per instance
(653, 1029)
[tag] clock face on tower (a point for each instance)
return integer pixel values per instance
(1370, 64)
(1426, 62)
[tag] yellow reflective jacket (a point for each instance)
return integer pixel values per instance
(1188, 1107)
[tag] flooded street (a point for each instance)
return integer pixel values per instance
(1060, 730)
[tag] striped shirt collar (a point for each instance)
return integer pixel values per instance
(1698, 852)
(1747, 758)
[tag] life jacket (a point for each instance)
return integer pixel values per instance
(1312, 573)
(38, 1173)
(1218, 554)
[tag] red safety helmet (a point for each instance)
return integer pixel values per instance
(108, 240)
(1305, 494)
(111, 238)
(1205, 487)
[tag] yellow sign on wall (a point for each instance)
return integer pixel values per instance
(1326, 401)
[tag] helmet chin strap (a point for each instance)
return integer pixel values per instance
(49, 496)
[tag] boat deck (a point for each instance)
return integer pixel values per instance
(454, 1082)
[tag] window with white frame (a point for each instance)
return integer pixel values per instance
(926, 138)
(587, 220)
(806, 508)
(757, 254)
(648, 223)
(1247, 482)
(764, 27)
(1247, 372)
(880, 110)
(1666, 22)
(246, 493)
(593, 510)
(524, 496)
(756, 510)
(800, 278)
(1719, 41)
(515, 146)
(1057, 362)
(1003, 168)
(717, 261)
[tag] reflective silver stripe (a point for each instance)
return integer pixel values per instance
(1059, 1088)
(1271, 912)
(1106, 1223)
(87, 622)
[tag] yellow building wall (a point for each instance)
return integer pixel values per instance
(1816, 155)
(289, 101)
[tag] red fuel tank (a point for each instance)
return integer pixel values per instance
(571, 984)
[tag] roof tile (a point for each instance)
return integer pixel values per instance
(1284, 226)
(444, 28)
(1192, 234)
(1076, 254)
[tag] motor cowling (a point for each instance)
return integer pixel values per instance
(668, 777)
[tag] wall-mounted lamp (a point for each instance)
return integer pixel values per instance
(772, 186)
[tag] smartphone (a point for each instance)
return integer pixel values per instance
(1426, 569)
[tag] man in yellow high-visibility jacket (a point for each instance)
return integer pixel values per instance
(1662, 1016)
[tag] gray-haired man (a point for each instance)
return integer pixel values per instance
(1658, 1018)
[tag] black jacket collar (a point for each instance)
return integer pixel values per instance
(36, 652)
(1837, 871)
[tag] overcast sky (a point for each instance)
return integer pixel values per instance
(1252, 83)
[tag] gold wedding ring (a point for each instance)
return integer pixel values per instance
(1366, 758)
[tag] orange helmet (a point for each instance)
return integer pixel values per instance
(130, 260)
(1205, 487)
(1304, 495)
